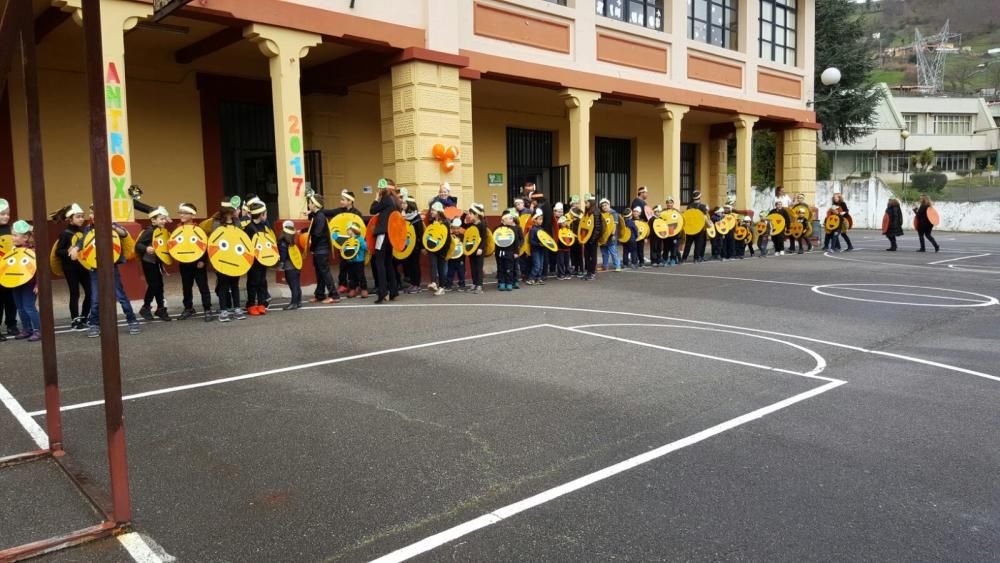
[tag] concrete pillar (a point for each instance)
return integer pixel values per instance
(671, 116)
(744, 160)
(799, 163)
(718, 170)
(465, 127)
(388, 134)
(117, 17)
(284, 49)
(426, 111)
(677, 25)
(578, 103)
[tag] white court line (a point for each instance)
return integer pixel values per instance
(40, 437)
(909, 294)
(986, 300)
(298, 367)
(959, 258)
(451, 534)
(141, 551)
(716, 277)
(820, 362)
(924, 267)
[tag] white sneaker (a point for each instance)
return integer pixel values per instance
(439, 291)
(432, 286)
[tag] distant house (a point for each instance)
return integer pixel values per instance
(964, 133)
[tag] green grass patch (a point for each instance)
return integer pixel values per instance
(890, 77)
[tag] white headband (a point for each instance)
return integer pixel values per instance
(347, 196)
(187, 209)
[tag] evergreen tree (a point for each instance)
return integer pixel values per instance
(847, 111)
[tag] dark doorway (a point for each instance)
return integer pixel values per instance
(613, 170)
(248, 160)
(529, 159)
(689, 155)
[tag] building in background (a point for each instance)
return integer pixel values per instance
(964, 133)
(229, 97)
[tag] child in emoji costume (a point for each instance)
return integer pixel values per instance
(94, 323)
(319, 245)
(346, 206)
(696, 242)
(537, 250)
(456, 266)
(75, 274)
(439, 258)
(563, 254)
(24, 294)
(194, 272)
(291, 264)
(357, 282)
(411, 266)
(152, 265)
(227, 287)
(506, 256)
(779, 238)
(671, 245)
(8, 309)
(591, 213)
(257, 294)
(477, 218)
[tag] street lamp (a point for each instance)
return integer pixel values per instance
(904, 135)
(830, 77)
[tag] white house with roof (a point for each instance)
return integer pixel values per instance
(963, 132)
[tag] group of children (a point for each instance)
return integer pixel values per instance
(544, 241)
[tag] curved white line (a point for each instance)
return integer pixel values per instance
(829, 255)
(985, 302)
(660, 317)
(820, 361)
(716, 277)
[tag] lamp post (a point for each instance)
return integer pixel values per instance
(904, 135)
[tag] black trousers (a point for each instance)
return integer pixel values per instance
(476, 265)
(922, 234)
(77, 277)
(356, 278)
(294, 279)
(412, 267)
(257, 285)
(655, 249)
(154, 284)
(8, 309)
(779, 243)
(590, 259)
(698, 243)
(640, 250)
(324, 279)
(892, 241)
(671, 248)
(344, 276)
(576, 258)
(228, 290)
(505, 270)
(191, 274)
(385, 277)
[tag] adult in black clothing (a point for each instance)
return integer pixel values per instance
(385, 203)
(924, 225)
(640, 202)
(895, 227)
(696, 241)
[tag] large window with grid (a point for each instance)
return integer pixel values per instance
(778, 24)
(897, 163)
(713, 21)
(865, 162)
(910, 122)
(952, 124)
(647, 13)
(952, 161)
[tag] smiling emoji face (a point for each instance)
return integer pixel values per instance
(265, 248)
(17, 268)
(435, 237)
(187, 243)
(229, 251)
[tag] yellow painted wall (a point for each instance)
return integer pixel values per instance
(347, 130)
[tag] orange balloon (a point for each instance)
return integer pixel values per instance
(447, 165)
(439, 151)
(452, 152)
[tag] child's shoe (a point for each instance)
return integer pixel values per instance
(163, 315)
(239, 314)
(364, 294)
(352, 294)
(439, 291)
(432, 286)
(185, 314)
(224, 316)
(477, 289)
(146, 314)
(133, 327)
(23, 335)
(93, 331)
(342, 289)
(35, 336)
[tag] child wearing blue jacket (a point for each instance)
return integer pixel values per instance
(357, 284)
(537, 250)
(293, 275)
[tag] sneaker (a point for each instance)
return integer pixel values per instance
(163, 315)
(619, 269)
(352, 294)
(208, 315)
(239, 314)
(432, 286)
(35, 336)
(342, 289)
(530, 282)
(316, 299)
(253, 310)
(133, 327)
(146, 314)
(12, 331)
(81, 324)
(93, 331)
(22, 335)
(410, 290)
(364, 294)
(186, 314)
(516, 285)
(331, 301)
(224, 316)
(439, 291)
(292, 306)
(463, 288)
(477, 290)
(539, 282)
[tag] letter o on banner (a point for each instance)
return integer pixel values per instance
(118, 165)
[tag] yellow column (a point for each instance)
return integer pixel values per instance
(744, 160)
(671, 116)
(465, 129)
(284, 49)
(799, 163)
(425, 108)
(718, 170)
(117, 17)
(578, 103)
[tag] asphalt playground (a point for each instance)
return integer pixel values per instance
(797, 408)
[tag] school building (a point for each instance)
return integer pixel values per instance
(229, 97)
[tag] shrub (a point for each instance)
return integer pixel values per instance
(929, 181)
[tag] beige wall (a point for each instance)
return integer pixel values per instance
(346, 129)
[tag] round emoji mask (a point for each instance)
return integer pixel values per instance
(229, 251)
(161, 246)
(265, 248)
(187, 243)
(88, 254)
(17, 267)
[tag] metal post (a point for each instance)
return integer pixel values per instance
(100, 182)
(53, 418)
(906, 168)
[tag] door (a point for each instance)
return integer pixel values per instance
(529, 159)
(613, 170)
(248, 158)
(689, 152)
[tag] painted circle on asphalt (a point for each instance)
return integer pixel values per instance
(908, 295)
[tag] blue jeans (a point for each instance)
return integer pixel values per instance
(538, 262)
(456, 271)
(612, 251)
(24, 299)
(119, 295)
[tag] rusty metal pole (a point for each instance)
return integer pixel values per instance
(100, 184)
(53, 418)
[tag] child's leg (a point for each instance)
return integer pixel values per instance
(94, 319)
(187, 285)
(460, 271)
(294, 279)
(8, 310)
(476, 263)
(149, 271)
(616, 258)
(73, 281)
(201, 278)
(122, 298)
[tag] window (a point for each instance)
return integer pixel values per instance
(778, 25)
(898, 163)
(713, 22)
(952, 161)
(613, 167)
(647, 13)
(910, 122)
(865, 163)
(689, 155)
(952, 125)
